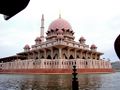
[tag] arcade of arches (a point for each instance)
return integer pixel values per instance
(63, 53)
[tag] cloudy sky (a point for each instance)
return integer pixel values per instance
(97, 20)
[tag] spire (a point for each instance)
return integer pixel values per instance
(59, 15)
(42, 28)
(42, 21)
(42, 17)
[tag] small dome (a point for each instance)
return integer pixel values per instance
(82, 38)
(93, 46)
(60, 31)
(38, 39)
(59, 24)
(26, 46)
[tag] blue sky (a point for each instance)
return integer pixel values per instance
(97, 20)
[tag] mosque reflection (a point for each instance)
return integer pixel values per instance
(46, 82)
(60, 82)
(89, 82)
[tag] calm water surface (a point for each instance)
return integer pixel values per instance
(59, 82)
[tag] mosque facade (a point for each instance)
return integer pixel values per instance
(56, 53)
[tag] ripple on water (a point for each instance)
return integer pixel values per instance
(59, 82)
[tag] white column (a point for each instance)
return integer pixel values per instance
(91, 56)
(38, 54)
(96, 56)
(75, 54)
(45, 56)
(28, 57)
(68, 53)
(81, 55)
(33, 55)
(52, 53)
(60, 56)
(86, 56)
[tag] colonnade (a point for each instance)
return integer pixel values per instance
(62, 53)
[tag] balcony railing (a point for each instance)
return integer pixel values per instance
(57, 63)
(67, 43)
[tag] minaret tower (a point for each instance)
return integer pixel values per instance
(42, 28)
(59, 16)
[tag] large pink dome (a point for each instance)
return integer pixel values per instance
(60, 24)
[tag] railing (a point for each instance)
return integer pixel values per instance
(57, 63)
(68, 43)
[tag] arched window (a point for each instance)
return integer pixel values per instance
(83, 57)
(78, 56)
(71, 57)
(64, 56)
(56, 56)
(48, 57)
(36, 58)
(88, 57)
(42, 57)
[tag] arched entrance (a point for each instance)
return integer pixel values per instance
(71, 57)
(83, 57)
(49, 57)
(36, 58)
(78, 56)
(56, 56)
(64, 56)
(42, 57)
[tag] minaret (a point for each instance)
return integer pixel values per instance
(42, 28)
(59, 16)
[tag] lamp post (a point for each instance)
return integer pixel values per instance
(74, 79)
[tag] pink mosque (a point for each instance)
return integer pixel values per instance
(56, 53)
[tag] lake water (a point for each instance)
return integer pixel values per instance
(59, 82)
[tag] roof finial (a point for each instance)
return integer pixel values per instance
(42, 17)
(42, 28)
(59, 14)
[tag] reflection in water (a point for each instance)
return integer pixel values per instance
(45, 82)
(90, 82)
(59, 82)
